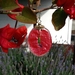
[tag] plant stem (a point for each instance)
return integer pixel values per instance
(29, 3)
(50, 7)
(35, 11)
(8, 12)
(16, 23)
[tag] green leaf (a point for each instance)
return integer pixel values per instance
(31, 1)
(58, 18)
(8, 5)
(27, 16)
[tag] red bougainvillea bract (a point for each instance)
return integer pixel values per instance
(65, 3)
(9, 34)
(13, 16)
(68, 6)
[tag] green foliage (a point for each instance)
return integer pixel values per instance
(31, 1)
(59, 18)
(27, 16)
(8, 5)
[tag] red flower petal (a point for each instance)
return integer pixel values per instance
(20, 34)
(13, 16)
(7, 32)
(5, 50)
(19, 4)
(71, 12)
(1, 29)
(41, 46)
(65, 3)
(22, 30)
(60, 2)
(20, 41)
(68, 4)
(7, 44)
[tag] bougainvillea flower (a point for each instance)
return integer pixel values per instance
(19, 4)
(65, 3)
(20, 34)
(13, 16)
(7, 32)
(71, 12)
(60, 2)
(7, 37)
(68, 4)
(39, 41)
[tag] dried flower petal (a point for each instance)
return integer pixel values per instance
(42, 46)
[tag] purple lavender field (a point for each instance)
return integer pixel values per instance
(21, 62)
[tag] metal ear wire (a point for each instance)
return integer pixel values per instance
(39, 20)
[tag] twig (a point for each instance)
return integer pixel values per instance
(9, 12)
(41, 10)
(28, 3)
(16, 23)
(35, 11)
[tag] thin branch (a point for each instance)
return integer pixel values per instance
(16, 23)
(28, 3)
(35, 11)
(41, 10)
(9, 12)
